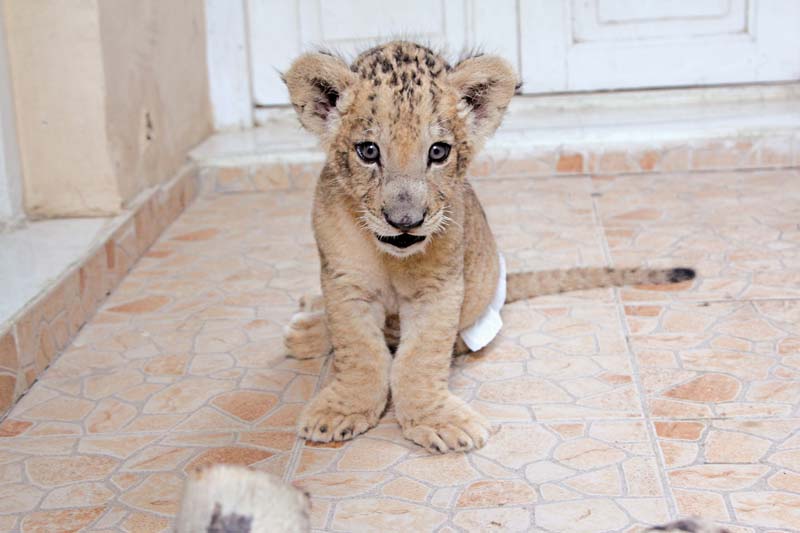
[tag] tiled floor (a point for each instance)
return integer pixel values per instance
(615, 409)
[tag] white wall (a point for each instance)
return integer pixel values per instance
(10, 171)
(109, 97)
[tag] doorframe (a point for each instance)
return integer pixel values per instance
(11, 185)
(228, 57)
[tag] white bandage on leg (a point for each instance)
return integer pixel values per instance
(488, 325)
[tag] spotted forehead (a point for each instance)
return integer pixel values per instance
(382, 62)
(408, 80)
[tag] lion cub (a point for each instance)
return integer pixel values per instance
(406, 253)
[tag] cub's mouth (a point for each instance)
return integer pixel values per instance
(404, 240)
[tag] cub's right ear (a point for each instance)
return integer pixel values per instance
(316, 84)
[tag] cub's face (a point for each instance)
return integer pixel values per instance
(400, 126)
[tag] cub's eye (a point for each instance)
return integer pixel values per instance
(368, 152)
(438, 152)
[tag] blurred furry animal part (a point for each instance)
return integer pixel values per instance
(235, 499)
(690, 525)
(404, 245)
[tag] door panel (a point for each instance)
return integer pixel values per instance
(621, 20)
(582, 45)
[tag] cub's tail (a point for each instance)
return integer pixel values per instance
(523, 285)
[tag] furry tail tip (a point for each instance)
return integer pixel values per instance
(677, 275)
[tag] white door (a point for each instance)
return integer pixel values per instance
(584, 45)
(282, 29)
(557, 45)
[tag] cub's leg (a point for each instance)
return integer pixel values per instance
(428, 412)
(307, 334)
(354, 400)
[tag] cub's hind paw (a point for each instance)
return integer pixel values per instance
(307, 335)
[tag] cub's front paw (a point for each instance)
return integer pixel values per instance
(340, 415)
(453, 426)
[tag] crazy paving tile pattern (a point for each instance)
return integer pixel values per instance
(614, 409)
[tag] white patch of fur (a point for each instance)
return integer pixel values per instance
(272, 505)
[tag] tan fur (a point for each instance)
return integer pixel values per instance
(404, 98)
(523, 285)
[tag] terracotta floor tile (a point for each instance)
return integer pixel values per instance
(19, 498)
(406, 489)
(749, 466)
(514, 519)
(719, 198)
(208, 419)
(724, 359)
(11, 428)
(276, 440)
(36, 447)
(64, 520)
(110, 415)
(246, 405)
(340, 484)
(54, 471)
(588, 515)
(185, 396)
(79, 495)
(146, 523)
(157, 458)
(158, 493)
(375, 515)
(496, 493)
(117, 446)
(238, 455)
(62, 409)
(277, 465)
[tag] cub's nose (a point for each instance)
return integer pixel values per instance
(404, 221)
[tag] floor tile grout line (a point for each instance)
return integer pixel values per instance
(285, 428)
(652, 437)
(6, 442)
(649, 427)
(299, 445)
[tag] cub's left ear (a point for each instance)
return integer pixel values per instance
(316, 83)
(485, 85)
